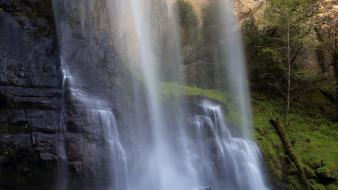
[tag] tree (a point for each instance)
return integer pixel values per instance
(293, 23)
(198, 42)
(190, 35)
(211, 30)
(327, 33)
(213, 35)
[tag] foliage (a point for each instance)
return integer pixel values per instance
(199, 43)
(286, 37)
(190, 34)
(211, 30)
(205, 68)
(187, 15)
(327, 33)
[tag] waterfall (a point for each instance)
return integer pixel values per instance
(116, 153)
(224, 161)
(232, 56)
(91, 139)
(126, 133)
(162, 151)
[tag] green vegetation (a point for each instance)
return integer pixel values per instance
(177, 89)
(278, 50)
(200, 40)
(314, 139)
(290, 64)
(173, 89)
(189, 31)
(187, 20)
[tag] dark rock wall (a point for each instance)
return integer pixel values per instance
(30, 89)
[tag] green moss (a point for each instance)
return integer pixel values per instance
(267, 138)
(313, 136)
(177, 89)
(173, 89)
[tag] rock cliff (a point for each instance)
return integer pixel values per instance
(30, 90)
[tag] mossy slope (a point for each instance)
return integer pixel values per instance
(314, 139)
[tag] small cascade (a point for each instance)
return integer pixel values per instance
(224, 161)
(102, 122)
(117, 161)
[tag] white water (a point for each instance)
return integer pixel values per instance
(99, 118)
(225, 161)
(163, 167)
(181, 150)
(118, 161)
(102, 118)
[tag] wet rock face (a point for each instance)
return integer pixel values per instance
(27, 55)
(30, 90)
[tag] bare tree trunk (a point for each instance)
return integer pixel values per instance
(280, 129)
(289, 72)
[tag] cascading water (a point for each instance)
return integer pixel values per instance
(116, 153)
(162, 152)
(225, 161)
(232, 55)
(167, 146)
(89, 126)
